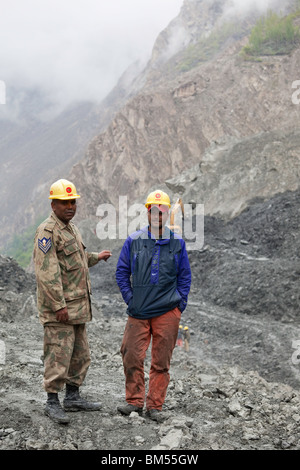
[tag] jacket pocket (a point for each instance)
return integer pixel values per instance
(71, 258)
(75, 294)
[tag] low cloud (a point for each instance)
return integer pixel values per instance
(76, 50)
(242, 7)
(66, 51)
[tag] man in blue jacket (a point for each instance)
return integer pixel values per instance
(154, 277)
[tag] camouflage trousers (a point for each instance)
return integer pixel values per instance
(66, 356)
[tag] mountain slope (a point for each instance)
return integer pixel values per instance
(159, 122)
(161, 132)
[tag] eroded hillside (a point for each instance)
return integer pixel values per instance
(166, 130)
(236, 389)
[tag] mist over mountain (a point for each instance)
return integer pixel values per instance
(74, 51)
(189, 106)
(156, 122)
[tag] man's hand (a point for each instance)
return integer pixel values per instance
(105, 254)
(62, 315)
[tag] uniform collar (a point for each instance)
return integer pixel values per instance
(61, 224)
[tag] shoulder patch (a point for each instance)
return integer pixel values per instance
(44, 244)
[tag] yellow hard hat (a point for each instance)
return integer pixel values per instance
(158, 197)
(186, 328)
(180, 326)
(63, 189)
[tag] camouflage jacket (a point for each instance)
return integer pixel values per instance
(61, 268)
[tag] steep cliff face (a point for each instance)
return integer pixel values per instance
(167, 130)
(196, 20)
(199, 19)
(146, 141)
(232, 174)
(159, 122)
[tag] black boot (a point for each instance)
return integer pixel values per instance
(54, 410)
(127, 409)
(74, 402)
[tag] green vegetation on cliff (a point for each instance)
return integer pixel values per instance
(21, 245)
(207, 47)
(272, 35)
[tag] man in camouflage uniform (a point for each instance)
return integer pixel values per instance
(63, 298)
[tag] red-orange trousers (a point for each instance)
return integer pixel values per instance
(136, 340)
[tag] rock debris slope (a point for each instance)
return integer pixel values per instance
(237, 388)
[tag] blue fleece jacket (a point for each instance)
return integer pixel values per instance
(154, 276)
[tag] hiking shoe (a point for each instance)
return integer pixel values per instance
(55, 412)
(127, 409)
(155, 415)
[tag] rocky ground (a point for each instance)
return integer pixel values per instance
(236, 389)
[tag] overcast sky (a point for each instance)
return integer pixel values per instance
(77, 48)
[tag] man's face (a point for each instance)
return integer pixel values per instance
(64, 210)
(157, 219)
